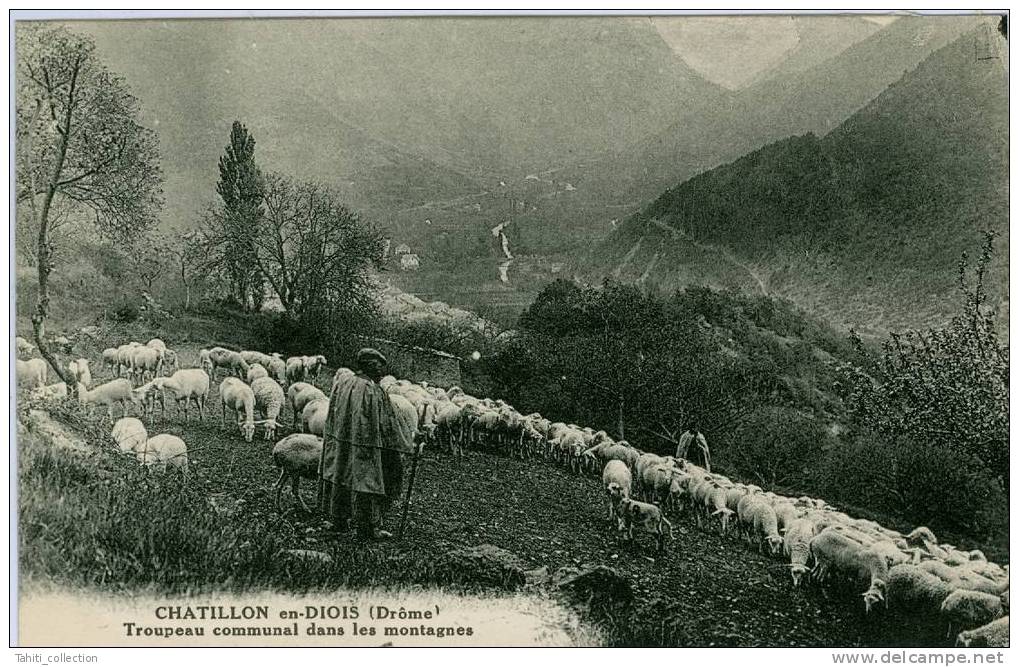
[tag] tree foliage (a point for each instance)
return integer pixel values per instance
(239, 218)
(82, 154)
(315, 252)
(946, 386)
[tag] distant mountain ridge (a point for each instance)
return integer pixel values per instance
(864, 226)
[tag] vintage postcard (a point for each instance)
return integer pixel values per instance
(609, 330)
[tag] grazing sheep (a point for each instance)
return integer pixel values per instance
(256, 371)
(129, 433)
(968, 609)
(796, 546)
(253, 357)
(164, 450)
(80, 372)
(23, 346)
(145, 360)
(31, 373)
(299, 394)
(277, 370)
(714, 505)
(761, 522)
(114, 391)
(993, 635)
(220, 357)
(449, 426)
(618, 483)
(645, 516)
(110, 358)
(269, 399)
(124, 355)
(50, 392)
(296, 372)
(785, 513)
(170, 361)
(313, 416)
(406, 417)
(910, 586)
(313, 365)
(146, 396)
(297, 456)
(833, 550)
(238, 396)
(185, 385)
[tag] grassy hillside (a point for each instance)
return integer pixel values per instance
(863, 227)
(141, 532)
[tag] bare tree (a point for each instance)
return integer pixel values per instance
(80, 146)
(313, 251)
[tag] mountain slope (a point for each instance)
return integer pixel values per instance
(864, 226)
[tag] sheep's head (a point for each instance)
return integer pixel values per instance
(248, 430)
(872, 597)
(774, 543)
(725, 515)
(617, 492)
(969, 639)
(797, 570)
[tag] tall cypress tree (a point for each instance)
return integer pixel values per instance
(240, 187)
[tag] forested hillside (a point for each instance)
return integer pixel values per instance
(864, 226)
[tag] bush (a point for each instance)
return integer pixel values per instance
(924, 484)
(126, 311)
(777, 447)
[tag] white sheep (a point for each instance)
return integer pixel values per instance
(277, 369)
(299, 394)
(296, 371)
(124, 355)
(312, 365)
(50, 392)
(911, 586)
(833, 550)
(618, 483)
(31, 373)
(297, 455)
(23, 346)
(220, 357)
(164, 450)
(145, 361)
(80, 371)
(253, 357)
(645, 516)
(238, 396)
(255, 371)
(187, 384)
(796, 546)
(993, 635)
(269, 399)
(110, 358)
(313, 416)
(762, 522)
(129, 433)
(968, 609)
(114, 391)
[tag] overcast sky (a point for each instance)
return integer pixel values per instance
(732, 50)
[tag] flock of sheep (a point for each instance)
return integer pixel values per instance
(820, 543)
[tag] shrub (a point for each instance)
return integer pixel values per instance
(777, 447)
(126, 311)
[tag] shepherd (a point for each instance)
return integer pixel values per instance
(693, 436)
(361, 468)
